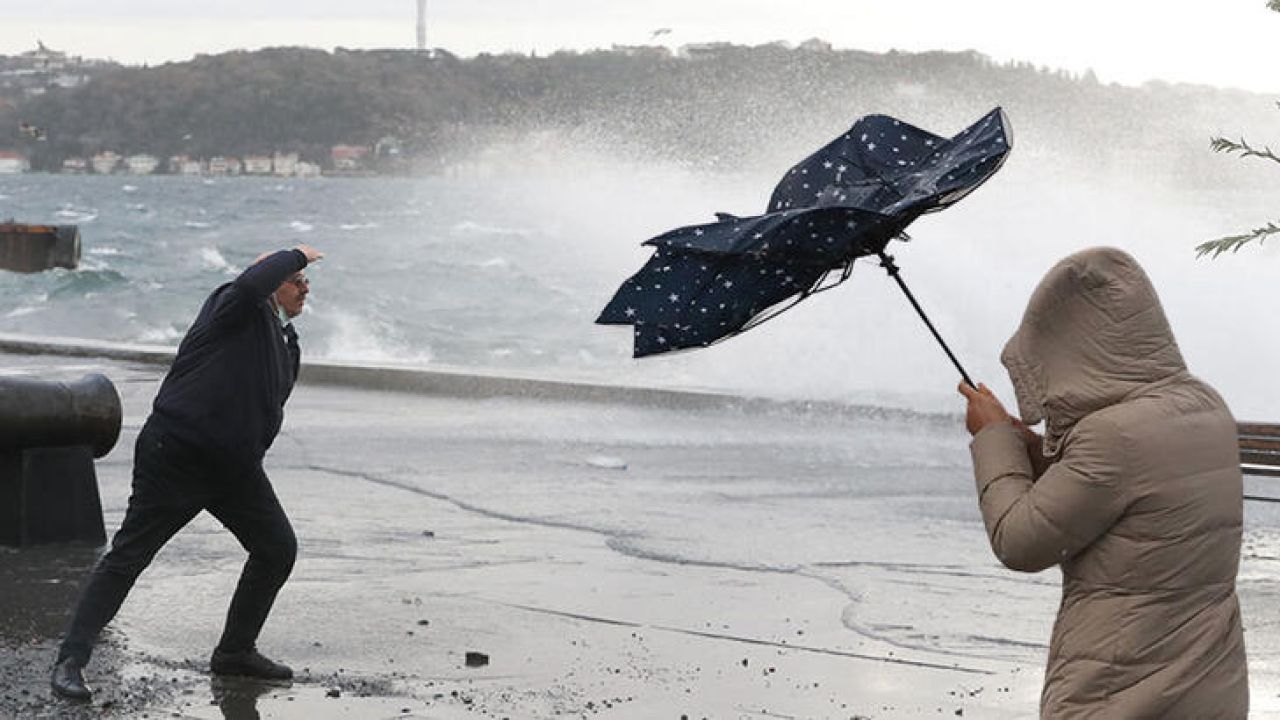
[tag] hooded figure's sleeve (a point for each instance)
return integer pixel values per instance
(1034, 524)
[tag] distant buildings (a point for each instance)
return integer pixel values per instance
(344, 159)
(12, 163)
(650, 51)
(105, 162)
(284, 164)
(141, 164)
(306, 169)
(35, 72)
(219, 165)
(703, 51)
(257, 165)
(183, 165)
(815, 45)
(348, 158)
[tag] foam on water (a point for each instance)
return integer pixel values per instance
(71, 213)
(505, 264)
(357, 338)
(471, 227)
(212, 258)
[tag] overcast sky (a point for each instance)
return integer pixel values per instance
(1223, 42)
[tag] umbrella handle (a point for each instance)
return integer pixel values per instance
(886, 262)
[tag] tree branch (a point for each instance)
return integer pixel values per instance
(1243, 147)
(1235, 242)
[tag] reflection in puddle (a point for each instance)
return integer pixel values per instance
(237, 697)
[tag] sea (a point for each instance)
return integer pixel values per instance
(504, 264)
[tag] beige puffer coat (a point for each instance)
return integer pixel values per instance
(1141, 505)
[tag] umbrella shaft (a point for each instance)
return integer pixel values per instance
(886, 262)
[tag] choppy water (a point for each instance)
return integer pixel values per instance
(505, 266)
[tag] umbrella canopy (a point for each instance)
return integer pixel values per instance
(845, 201)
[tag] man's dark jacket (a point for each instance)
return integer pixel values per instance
(235, 368)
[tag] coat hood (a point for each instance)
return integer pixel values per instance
(1093, 333)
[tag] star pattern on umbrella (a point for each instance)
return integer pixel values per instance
(845, 201)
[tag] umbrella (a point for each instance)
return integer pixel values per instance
(708, 282)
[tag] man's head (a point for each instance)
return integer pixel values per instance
(292, 294)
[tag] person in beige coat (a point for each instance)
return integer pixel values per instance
(1134, 491)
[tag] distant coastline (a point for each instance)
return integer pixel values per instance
(296, 111)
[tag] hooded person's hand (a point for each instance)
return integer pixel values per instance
(984, 409)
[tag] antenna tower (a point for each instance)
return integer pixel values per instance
(422, 25)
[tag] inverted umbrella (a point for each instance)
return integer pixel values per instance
(708, 282)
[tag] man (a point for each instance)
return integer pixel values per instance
(217, 411)
(1134, 492)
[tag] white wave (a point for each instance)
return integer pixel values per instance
(130, 188)
(78, 214)
(606, 462)
(103, 250)
(299, 226)
(137, 207)
(197, 224)
(358, 226)
(24, 310)
(357, 339)
(470, 227)
(160, 336)
(212, 259)
(498, 262)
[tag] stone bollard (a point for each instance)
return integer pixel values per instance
(34, 248)
(50, 432)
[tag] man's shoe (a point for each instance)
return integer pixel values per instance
(248, 663)
(68, 680)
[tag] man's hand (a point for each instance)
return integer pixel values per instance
(311, 253)
(984, 409)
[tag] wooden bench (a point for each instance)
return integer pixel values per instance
(1259, 448)
(1259, 453)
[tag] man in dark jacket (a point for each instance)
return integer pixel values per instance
(217, 412)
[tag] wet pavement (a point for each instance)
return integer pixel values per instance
(609, 561)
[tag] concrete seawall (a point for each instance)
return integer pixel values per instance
(471, 383)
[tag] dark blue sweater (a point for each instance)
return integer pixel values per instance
(235, 368)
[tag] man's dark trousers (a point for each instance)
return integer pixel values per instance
(172, 483)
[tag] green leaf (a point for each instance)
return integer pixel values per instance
(1233, 243)
(1220, 144)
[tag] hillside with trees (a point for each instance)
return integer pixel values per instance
(722, 105)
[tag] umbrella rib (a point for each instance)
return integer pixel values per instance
(763, 317)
